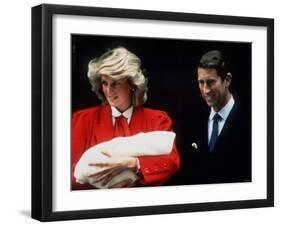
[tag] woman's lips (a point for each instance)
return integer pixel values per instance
(113, 97)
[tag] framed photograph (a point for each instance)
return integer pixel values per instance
(145, 112)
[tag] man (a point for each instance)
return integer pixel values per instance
(219, 149)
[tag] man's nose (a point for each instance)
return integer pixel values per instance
(206, 89)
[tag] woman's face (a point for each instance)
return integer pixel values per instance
(117, 93)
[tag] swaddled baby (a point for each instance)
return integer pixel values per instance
(142, 144)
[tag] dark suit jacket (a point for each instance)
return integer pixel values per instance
(231, 159)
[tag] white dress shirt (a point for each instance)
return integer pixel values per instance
(224, 112)
(127, 114)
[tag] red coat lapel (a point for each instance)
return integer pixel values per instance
(137, 122)
(104, 128)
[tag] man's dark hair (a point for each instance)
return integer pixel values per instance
(214, 60)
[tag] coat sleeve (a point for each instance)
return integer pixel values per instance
(80, 136)
(157, 170)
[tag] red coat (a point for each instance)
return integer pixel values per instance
(94, 125)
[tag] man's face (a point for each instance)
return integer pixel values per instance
(117, 93)
(213, 89)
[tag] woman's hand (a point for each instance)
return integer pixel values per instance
(114, 165)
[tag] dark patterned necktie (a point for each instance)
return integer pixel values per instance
(215, 132)
(121, 127)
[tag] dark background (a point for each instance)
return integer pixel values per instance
(171, 68)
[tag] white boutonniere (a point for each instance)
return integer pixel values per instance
(194, 146)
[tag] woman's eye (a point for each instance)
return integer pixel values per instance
(116, 84)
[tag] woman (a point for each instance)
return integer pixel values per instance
(118, 81)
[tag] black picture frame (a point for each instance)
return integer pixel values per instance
(42, 111)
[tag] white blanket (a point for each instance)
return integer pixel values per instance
(142, 144)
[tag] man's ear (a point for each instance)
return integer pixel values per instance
(228, 79)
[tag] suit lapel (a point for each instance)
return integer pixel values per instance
(200, 138)
(205, 134)
(222, 139)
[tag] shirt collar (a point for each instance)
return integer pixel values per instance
(127, 114)
(224, 112)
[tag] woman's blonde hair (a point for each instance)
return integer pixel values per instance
(118, 64)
